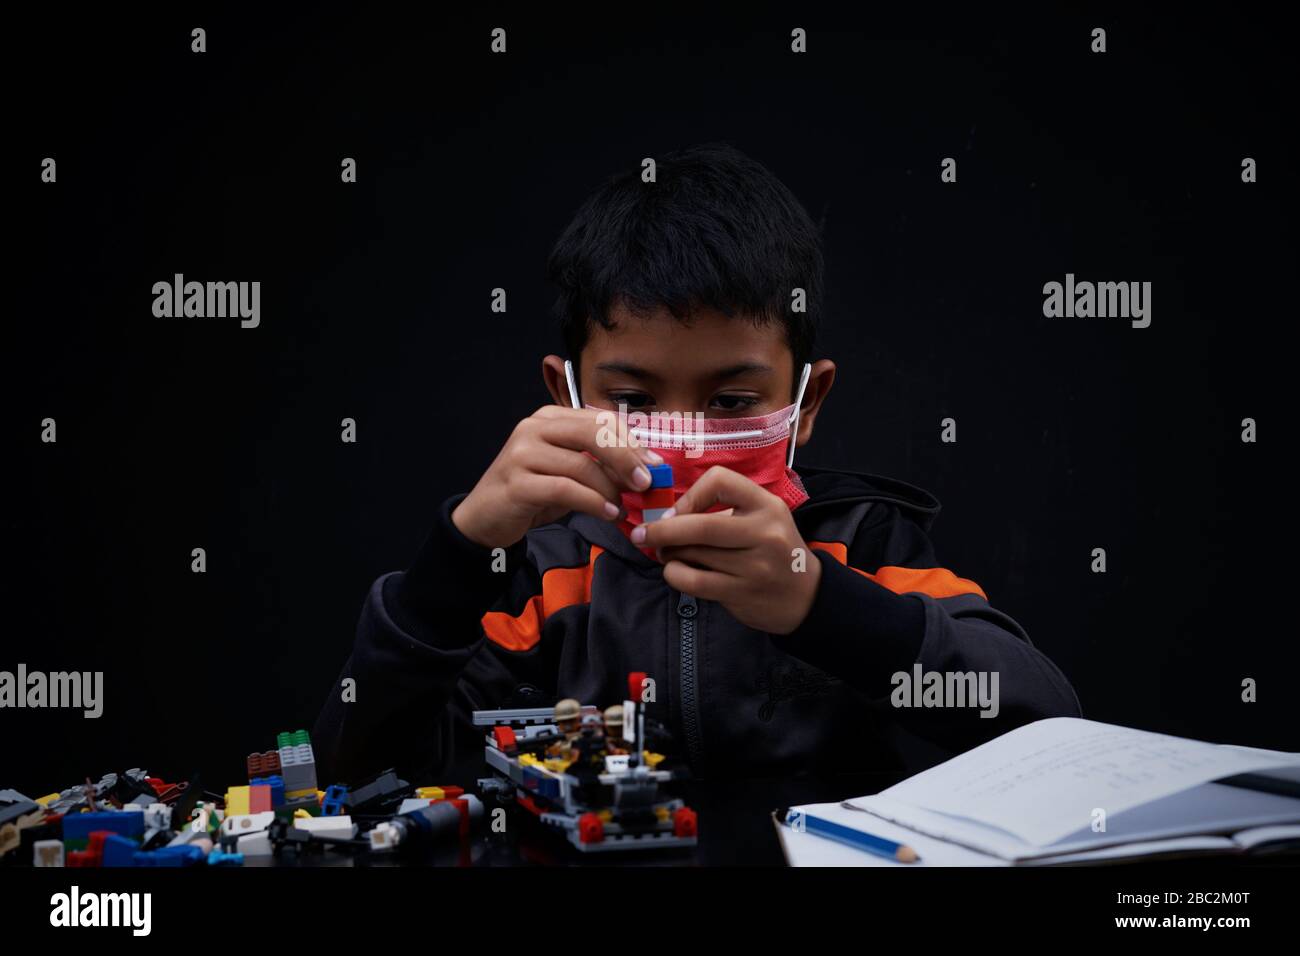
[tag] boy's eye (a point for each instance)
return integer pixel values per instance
(733, 403)
(635, 400)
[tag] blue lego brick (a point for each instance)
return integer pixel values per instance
(78, 826)
(541, 783)
(171, 856)
(335, 798)
(276, 783)
(119, 851)
(661, 476)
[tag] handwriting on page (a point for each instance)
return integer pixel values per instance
(1042, 781)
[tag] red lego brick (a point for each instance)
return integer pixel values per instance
(528, 803)
(590, 829)
(635, 682)
(657, 498)
(259, 798)
(93, 854)
(505, 739)
(685, 823)
(463, 807)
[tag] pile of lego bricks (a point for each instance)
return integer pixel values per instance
(134, 819)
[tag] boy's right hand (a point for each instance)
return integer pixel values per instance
(541, 474)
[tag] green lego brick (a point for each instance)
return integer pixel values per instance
(292, 739)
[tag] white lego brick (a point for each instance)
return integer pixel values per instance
(629, 721)
(47, 853)
(244, 823)
(255, 844)
(414, 803)
(616, 763)
(327, 826)
(157, 816)
(385, 836)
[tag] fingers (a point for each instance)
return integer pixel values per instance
(718, 530)
(701, 583)
(730, 561)
(540, 492)
(723, 486)
(595, 432)
(550, 460)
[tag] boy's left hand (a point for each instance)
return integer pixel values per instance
(744, 558)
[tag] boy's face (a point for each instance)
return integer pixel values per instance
(722, 367)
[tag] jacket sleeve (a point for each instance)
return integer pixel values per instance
(884, 604)
(421, 665)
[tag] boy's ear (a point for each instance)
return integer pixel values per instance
(819, 385)
(553, 376)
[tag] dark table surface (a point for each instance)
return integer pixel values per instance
(735, 829)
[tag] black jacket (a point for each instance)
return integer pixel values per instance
(578, 608)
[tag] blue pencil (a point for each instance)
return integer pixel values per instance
(799, 820)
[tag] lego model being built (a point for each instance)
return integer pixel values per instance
(587, 773)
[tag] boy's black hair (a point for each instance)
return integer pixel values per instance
(717, 229)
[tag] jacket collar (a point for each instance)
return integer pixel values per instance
(830, 488)
(607, 535)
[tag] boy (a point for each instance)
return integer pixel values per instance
(776, 611)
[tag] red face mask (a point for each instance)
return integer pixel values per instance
(760, 448)
(757, 448)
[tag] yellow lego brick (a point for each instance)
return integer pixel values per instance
(48, 798)
(430, 793)
(301, 815)
(662, 813)
(237, 801)
(652, 760)
(299, 794)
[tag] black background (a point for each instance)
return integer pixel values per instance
(183, 433)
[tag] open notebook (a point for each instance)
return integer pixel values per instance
(1033, 796)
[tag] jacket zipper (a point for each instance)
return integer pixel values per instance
(688, 631)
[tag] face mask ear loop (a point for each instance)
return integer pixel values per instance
(798, 404)
(573, 385)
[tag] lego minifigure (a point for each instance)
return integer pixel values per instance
(568, 718)
(588, 748)
(614, 742)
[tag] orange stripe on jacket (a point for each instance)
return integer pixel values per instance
(561, 588)
(936, 582)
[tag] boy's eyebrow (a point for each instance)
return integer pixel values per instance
(730, 371)
(625, 368)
